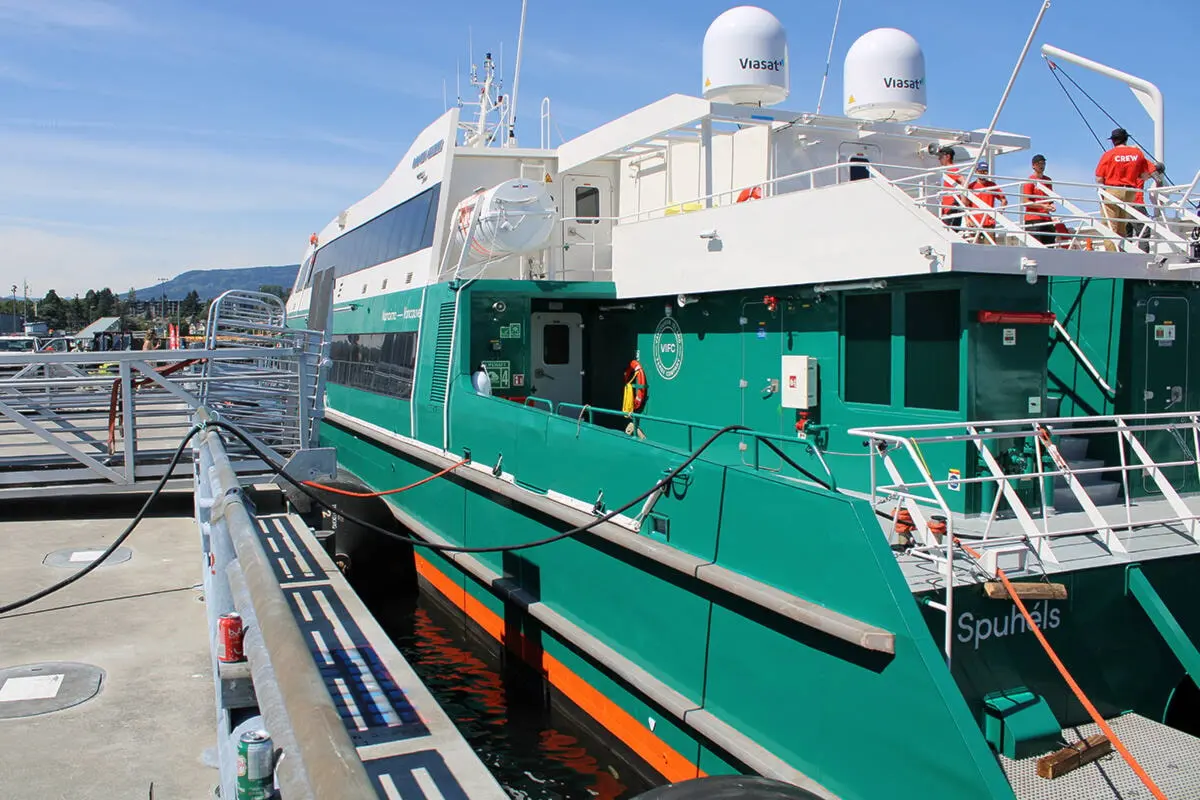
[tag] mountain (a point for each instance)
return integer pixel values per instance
(209, 283)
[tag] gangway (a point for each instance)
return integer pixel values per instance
(347, 716)
(72, 423)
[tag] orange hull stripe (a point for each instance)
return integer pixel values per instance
(673, 766)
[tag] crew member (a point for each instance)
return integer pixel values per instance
(952, 179)
(1035, 194)
(989, 194)
(1122, 171)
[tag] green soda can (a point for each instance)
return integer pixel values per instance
(255, 767)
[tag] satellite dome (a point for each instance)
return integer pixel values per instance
(884, 77)
(746, 58)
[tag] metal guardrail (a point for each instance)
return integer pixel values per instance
(318, 759)
(107, 421)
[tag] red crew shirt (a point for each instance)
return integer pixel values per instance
(1123, 165)
(1033, 188)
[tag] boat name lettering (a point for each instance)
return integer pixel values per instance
(429, 152)
(977, 629)
(754, 63)
(408, 313)
(903, 83)
(668, 348)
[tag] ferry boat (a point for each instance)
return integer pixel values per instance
(872, 504)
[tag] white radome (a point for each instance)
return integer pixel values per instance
(884, 77)
(746, 58)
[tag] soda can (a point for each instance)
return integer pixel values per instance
(255, 766)
(230, 634)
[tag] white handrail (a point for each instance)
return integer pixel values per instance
(1084, 360)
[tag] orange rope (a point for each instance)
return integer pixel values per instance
(345, 493)
(1062, 670)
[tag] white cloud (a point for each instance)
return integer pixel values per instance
(14, 73)
(71, 261)
(87, 14)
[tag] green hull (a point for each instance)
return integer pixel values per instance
(860, 722)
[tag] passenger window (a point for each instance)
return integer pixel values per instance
(556, 344)
(587, 204)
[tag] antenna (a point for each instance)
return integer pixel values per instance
(987, 138)
(512, 105)
(829, 58)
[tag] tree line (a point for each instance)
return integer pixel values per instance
(79, 311)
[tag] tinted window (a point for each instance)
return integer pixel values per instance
(404, 229)
(867, 331)
(932, 331)
(587, 202)
(375, 362)
(556, 344)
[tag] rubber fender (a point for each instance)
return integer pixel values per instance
(728, 787)
(373, 563)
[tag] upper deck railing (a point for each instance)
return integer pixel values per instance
(1163, 220)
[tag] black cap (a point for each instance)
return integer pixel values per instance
(1119, 135)
(1037, 158)
(945, 150)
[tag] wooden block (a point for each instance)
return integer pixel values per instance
(1027, 591)
(1072, 758)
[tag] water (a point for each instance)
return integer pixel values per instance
(535, 752)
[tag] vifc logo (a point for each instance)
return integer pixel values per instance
(668, 348)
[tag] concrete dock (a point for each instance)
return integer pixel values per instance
(141, 622)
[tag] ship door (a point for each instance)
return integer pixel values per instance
(557, 342)
(587, 227)
(857, 153)
(319, 301)
(1165, 389)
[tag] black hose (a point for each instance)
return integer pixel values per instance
(154, 494)
(450, 548)
(271, 460)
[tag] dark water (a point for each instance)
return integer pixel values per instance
(535, 752)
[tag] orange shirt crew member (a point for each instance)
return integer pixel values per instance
(1122, 171)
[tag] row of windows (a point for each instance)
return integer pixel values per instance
(404, 229)
(932, 331)
(383, 363)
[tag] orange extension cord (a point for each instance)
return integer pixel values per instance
(345, 493)
(1062, 670)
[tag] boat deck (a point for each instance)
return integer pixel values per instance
(1083, 551)
(1170, 757)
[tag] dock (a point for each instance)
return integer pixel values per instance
(120, 668)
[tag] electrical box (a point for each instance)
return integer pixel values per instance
(799, 384)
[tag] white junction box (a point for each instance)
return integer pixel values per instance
(799, 382)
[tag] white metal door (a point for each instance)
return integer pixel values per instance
(557, 343)
(587, 226)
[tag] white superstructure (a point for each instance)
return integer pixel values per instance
(691, 194)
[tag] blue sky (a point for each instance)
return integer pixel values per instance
(139, 138)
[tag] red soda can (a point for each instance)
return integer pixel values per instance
(229, 638)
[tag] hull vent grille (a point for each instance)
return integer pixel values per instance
(441, 353)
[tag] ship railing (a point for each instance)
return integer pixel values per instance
(760, 451)
(1158, 223)
(105, 421)
(1031, 467)
(598, 240)
(1162, 222)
